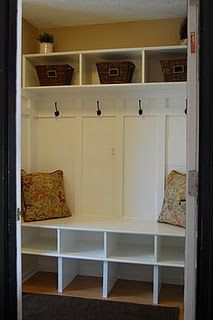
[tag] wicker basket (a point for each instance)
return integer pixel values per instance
(115, 71)
(174, 70)
(54, 75)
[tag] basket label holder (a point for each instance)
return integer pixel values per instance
(178, 69)
(113, 72)
(51, 74)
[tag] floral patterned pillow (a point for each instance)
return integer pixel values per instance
(43, 196)
(174, 205)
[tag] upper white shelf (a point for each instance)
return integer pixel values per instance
(168, 89)
(103, 53)
(147, 77)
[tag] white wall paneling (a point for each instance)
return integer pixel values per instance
(141, 159)
(25, 142)
(114, 165)
(176, 143)
(29, 135)
(60, 137)
(130, 148)
(99, 193)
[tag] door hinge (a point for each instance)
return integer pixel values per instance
(18, 214)
(193, 183)
(194, 2)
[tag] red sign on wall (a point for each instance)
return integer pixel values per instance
(192, 42)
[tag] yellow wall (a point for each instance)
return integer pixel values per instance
(29, 35)
(116, 35)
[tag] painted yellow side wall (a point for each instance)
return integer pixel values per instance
(104, 36)
(116, 35)
(29, 35)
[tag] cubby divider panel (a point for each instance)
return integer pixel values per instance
(82, 244)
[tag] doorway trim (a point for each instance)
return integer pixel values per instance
(205, 205)
(8, 45)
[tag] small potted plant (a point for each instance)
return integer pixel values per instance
(46, 42)
(183, 32)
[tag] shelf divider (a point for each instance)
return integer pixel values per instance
(156, 284)
(69, 271)
(110, 277)
(80, 69)
(143, 71)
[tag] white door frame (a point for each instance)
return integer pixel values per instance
(18, 157)
(192, 160)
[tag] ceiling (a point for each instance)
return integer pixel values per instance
(60, 13)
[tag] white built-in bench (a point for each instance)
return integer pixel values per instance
(108, 241)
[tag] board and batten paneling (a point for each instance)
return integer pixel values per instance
(175, 143)
(115, 164)
(28, 136)
(57, 151)
(142, 159)
(25, 141)
(99, 166)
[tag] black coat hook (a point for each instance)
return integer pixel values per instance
(98, 109)
(140, 111)
(56, 110)
(186, 109)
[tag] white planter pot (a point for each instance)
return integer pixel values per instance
(183, 41)
(46, 47)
